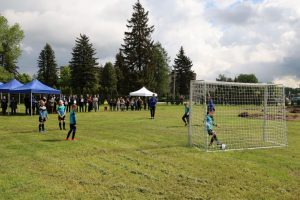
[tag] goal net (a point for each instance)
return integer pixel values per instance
(249, 115)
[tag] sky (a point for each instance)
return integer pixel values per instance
(220, 36)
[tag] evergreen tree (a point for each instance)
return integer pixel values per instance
(160, 61)
(84, 79)
(47, 68)
(108, 80)
(137, 49)
(65, 80)
(122, 74)
(10, 39)
(183, 73)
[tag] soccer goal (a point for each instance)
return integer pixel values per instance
(249, 115)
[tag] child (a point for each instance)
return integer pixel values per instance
(43, 114)
(209, 126)
(72, 122)
(185, 117)
(61, 111)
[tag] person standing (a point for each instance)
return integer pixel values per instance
(4, 105)
(27, 105)
(185, 117)
(152, 105)
(61, 111)
(81, 103)
(72, 122)
(95, 103)
(43, 114)
(13, 106)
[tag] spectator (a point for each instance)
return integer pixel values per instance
(4, 105)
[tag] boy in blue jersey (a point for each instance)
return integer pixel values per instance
(209, 127)
(61, 111)
(43, 114)
(185, 117)
(72, 122)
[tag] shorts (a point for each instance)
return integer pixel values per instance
(42, 119)
(61, 118)
(210, 132)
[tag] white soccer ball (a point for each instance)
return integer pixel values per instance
(223, 146)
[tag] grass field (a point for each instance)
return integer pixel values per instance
(125, 155)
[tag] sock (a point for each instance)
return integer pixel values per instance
(43, 127)
(40, 127)
(60, 125)
(64, 125)
(211, 140)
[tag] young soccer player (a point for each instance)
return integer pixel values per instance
(43, 114)
(72, 122)
(209, 126)
(61, 111)
(185, 117)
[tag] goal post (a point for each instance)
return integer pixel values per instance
(249, 115)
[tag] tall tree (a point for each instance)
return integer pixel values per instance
(183, 73)
(47, 68)
(108, 80)
(122, 74)
(10, 39)
(160, 61)
(137, 49)
(84, 67)
(65, 80)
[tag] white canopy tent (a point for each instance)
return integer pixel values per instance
(143, 92)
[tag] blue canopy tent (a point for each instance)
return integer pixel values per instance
(35, 87)
(9, 86)
(1, 83)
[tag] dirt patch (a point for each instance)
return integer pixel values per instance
(293, 109)
(289, 117)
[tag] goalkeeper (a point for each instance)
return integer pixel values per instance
(209, 126)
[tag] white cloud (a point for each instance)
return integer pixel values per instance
(289, 81)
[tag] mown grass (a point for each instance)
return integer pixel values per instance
(125, 155)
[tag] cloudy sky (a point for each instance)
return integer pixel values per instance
(220, 36)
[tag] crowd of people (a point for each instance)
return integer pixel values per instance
(84, 103)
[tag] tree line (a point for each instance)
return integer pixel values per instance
(140, 61)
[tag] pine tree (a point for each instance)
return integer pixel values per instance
(137, 49)
(47, 68)
(108, 80)
(83, 64)
(122, 74)
(183, 72)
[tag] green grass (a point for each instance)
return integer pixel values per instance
(125, 155)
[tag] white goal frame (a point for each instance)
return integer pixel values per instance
(250, 116)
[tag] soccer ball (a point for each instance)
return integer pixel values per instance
(223, 146)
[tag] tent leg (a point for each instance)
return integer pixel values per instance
(31, 104)
(8, 102)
